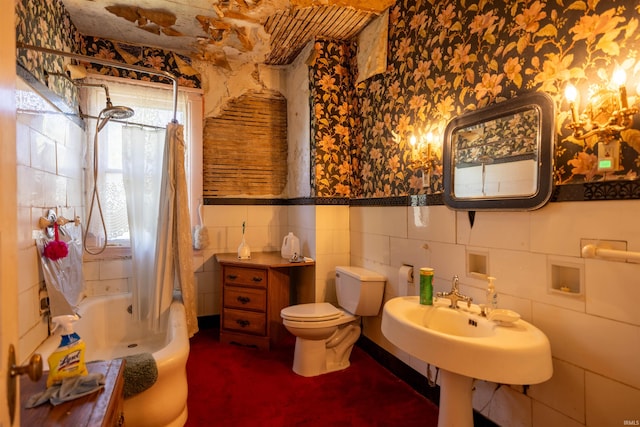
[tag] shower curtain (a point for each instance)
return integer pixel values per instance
(159, 222)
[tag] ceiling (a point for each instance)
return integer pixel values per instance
(225, 31)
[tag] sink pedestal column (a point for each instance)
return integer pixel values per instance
(455, 400)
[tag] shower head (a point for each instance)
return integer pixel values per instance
(117, 112)
(111, 112)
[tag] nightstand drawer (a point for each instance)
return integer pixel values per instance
(245, 298)
(245, 321)
(245, 276)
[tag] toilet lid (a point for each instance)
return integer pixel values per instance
(318, 311)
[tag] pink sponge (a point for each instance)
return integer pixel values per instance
(56, 249)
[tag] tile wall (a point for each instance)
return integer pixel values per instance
(49, 150)
(595, 336)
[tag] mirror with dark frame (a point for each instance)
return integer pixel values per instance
(500, 157)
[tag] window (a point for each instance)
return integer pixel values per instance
(153, 106)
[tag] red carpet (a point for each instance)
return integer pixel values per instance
(236, 386)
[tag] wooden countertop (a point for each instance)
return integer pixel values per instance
(95, 409)
(260, 259)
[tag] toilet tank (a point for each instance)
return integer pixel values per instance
(359, 290)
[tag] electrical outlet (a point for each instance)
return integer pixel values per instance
(608, 156)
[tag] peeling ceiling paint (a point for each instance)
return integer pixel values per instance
(225, 31)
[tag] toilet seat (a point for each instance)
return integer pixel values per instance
(312, 312)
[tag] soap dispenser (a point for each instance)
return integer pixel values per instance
(492, 295)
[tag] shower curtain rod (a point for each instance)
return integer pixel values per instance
(110, 63)
(126, 122)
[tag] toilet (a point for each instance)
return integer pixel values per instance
(325, 334)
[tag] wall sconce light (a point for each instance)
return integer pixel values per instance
(607, 112)
(421, 155)
(606, 115)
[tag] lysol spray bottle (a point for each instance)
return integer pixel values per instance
(426, 286)
(68, 359)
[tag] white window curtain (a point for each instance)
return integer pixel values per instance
(152, 106)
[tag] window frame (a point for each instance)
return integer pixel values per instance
(93, 100)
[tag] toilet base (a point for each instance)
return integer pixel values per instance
(316, 357)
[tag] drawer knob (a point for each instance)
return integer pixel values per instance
(232, 276)
(243, 300)
(257, 279)
(243, 323)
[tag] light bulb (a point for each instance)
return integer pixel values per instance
(412, 140)
(619, 77)
(570, 93)
(429, 137)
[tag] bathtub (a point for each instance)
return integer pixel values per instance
(109, 332)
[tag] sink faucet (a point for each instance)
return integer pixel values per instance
(454, 295)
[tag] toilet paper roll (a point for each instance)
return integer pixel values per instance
(405, 280)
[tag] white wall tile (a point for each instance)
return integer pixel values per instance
(260, 215)
(54, 128)
(91, 270)
(564, 392)
(223, 216)
(389, 221)
(32, 339)
(332, 217)
(613, 290)
(558, 227)
(43, 153)
(115, 269)
(610, 403)
(28, 269)
(28, 309)
(301, 216)
(373, 247)
(107, 287)
(519, 273)
(600, 345)
(508, 407)
(218, 237)
(546, 416)
(502, 230)
(448, 260)
(23, 147)
(25, 227)
(435, 223)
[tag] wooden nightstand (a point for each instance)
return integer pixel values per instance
(253, 293)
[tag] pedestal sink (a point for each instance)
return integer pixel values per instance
(466, 345)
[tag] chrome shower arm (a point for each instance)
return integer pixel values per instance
(103, 86)
(110, 63)
(82, 84)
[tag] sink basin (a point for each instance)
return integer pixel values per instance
(466, 345)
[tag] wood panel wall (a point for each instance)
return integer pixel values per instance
(245, 147)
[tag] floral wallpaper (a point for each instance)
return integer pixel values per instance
(46, 23)
(157, 59)
(332, 119)
(446, 58)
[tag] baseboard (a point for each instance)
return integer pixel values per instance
(412, 377)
